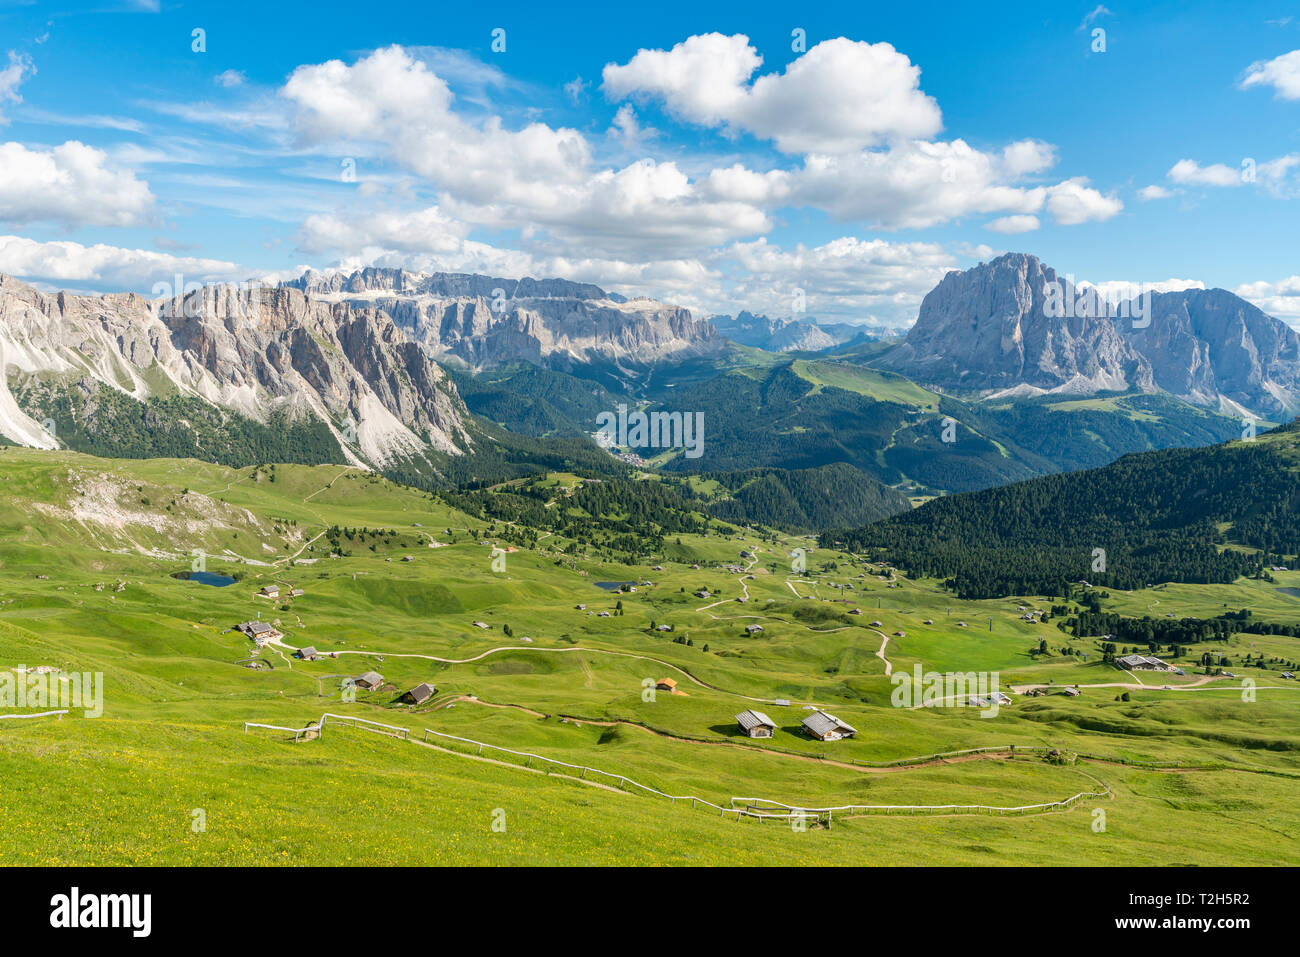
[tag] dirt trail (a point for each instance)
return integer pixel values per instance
(289, 558)
(884, 640)
(743, 587)
(559, 651)
(330, 483)
(471, 699)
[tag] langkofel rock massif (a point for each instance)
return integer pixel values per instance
(990, 330)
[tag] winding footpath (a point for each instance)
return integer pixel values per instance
(560, 651)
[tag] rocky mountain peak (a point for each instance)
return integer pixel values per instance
(993, 327)
(377, 280)
(998, 327)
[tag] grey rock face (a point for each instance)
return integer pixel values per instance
(484, 321)
(399, 282)
(255, 351)
(988, 328)
(991, 328)
(1209, 345)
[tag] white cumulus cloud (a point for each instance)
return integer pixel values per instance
(111, 265)
(534, 178)
(1074, 202)
(71, 184)
(1191, 173)
(1272, 175)
(1023, 223)
(1280, 298)
(846, 279)
(1154, 192)
(1282, 73)
(842, 95)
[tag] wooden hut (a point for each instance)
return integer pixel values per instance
(419, 694)
(827, 727)
(756, 724)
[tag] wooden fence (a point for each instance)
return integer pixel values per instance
(750, 808)
(621, 781)
(765, 809)
(43, 714)
(318, 730)
(759, 805)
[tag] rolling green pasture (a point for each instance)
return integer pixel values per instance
(89, 547)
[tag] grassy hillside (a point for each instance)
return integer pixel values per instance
(807, 413)
(89, 548)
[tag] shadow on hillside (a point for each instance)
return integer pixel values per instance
(731, 730)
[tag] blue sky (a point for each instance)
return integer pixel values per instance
(691, 154)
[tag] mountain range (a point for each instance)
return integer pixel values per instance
(788, 334)
(465, 377)
(265, 355)
(481, 321)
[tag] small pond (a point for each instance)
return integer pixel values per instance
(206, 578)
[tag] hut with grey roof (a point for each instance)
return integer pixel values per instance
(260, 631)
(756, 724)
(419, 694)
(1143, 663)
(369, 681)
(827, 727)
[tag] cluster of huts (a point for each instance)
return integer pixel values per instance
(818, 724)
(260, 631)
(374, 681)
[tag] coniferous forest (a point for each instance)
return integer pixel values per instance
(1152, 517)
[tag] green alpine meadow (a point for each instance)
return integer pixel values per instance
(581, 700)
